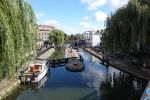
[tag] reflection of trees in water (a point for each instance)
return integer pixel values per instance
(58, 54)
(122, 87)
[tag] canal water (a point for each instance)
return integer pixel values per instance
(96, 82)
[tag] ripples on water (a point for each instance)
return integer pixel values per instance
(96, 82)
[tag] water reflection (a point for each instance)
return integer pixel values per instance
(96, 82)
(58, 54)
(112, 84)
(124, 87)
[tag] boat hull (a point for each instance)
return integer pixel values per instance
(75, 66)
(40, 76)
(34, 77)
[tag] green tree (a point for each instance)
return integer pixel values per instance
(127, 27)
(56, 36)
(79, 36)
(17, 33)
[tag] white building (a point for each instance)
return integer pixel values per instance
(95, 38)
(92, 38)
(43, 31)
(87, 35)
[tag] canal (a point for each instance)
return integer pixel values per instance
(96, 82)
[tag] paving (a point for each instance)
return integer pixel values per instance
(47, 54)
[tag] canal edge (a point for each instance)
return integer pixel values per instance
(15, 83)
(4, 93)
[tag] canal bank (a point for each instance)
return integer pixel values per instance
(8, 86)
(95, 82)
(46, 54)
(127, 67)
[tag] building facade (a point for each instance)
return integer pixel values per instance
(95, 38)
(43, 31)
(87, 35)
(92, 38)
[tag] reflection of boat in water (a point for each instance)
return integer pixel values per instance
(75, 60)
(34, 73)
(42, 82)
(36, 86)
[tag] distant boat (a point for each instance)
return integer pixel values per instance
(75, 60)
(71, 53)
(34, 73)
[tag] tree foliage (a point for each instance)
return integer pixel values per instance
(79, 36)
(128, 27)
(56, 36)
(17, 33)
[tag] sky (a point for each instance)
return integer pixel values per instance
(75, 16)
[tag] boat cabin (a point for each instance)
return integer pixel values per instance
(35, 68)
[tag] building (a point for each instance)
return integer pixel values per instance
(95, 38)
(92, 38)
(87, 35)
(43, 31)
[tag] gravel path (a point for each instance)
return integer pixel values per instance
(47, 54)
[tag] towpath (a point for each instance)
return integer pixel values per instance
(125, 66)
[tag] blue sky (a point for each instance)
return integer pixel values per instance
(75, 16)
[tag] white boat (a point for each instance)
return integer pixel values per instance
(34, 73)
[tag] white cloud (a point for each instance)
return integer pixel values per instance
(115, 4)
(100, 16)
(52, 22)
(68, 30)
(86, 18)
(93, 27)
(85, 24)
(94, 4)
(39, 15)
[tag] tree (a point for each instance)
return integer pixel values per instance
(17, 34)
(79, 36)
(127, 29)
(56, 36)
(65, 37)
